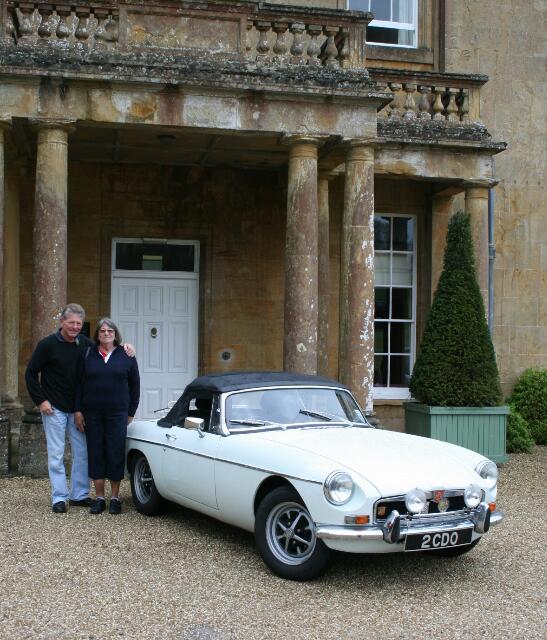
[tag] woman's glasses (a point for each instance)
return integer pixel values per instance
(106, 330)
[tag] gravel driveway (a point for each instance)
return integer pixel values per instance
(188, 577)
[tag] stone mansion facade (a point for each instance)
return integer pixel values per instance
(245, 185)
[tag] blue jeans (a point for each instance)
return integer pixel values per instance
(56, 426)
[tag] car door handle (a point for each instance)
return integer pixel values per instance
(170, 437)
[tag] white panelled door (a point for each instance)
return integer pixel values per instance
(158, 314)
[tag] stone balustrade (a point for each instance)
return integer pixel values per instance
(82, 22)
(430, 97)
(247, 30)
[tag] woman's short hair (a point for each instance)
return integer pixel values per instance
(109, 323)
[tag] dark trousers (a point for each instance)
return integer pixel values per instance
(105, 434)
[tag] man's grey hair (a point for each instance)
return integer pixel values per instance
(71, 309)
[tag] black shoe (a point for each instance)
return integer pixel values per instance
(98, 506)
(84, 502)
(59, 507)
(115, 507)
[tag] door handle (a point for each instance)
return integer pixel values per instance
(153, 332)
(170, 437)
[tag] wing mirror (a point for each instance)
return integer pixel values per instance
(194, 423)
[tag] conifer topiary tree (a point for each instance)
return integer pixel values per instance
(456, 365)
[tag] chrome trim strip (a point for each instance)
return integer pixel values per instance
(333, 532)
(235, 464)
(373, 532)
(496, 517)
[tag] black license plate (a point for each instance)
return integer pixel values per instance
(437, 540)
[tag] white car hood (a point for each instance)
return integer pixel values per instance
(393, 462)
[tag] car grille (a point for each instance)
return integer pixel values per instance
(384, 507)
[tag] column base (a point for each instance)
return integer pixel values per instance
(4, 442)
(32, 450)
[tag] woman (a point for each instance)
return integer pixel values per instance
(107, 398)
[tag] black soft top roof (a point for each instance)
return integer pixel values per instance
(203, 386)
(237, 380)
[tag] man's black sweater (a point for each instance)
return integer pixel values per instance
(53, 370)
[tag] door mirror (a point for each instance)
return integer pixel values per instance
(193, 423)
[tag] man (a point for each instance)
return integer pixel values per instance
(51, 378)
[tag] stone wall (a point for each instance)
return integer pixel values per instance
(507, 42)
(238, 216)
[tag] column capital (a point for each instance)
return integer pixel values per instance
(353, 143)
(360, 149)
(39, 124)
(291, 139)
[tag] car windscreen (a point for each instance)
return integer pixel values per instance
(290, 406)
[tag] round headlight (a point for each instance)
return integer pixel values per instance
(415, 501)
(338, 487)
(489, 471)
(472, 496)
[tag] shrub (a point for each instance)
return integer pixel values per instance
(519, 439)
(456, 365)
(530, 399)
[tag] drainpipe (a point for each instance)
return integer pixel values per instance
(491, 256)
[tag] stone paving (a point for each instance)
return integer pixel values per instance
(184, 576)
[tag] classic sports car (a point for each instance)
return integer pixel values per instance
(293, 458)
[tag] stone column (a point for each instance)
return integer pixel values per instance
(4, 420)
(440, 217)
(357, 274)
(49, 274)
(476, 204)
(301, 311)
(10, 347)
(323, 284)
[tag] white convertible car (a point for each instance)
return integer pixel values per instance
(294, 459)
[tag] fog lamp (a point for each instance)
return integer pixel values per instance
(415, 501)
(472, 496)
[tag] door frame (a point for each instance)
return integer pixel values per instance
(143, 275)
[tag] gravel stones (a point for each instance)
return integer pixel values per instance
(188, 577)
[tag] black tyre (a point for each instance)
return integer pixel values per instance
(286, 539)
(146, 498)
(453, 552)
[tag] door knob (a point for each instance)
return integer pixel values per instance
(154, 332)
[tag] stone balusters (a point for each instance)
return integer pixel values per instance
(56, 23)
(412, 100)
(297, 43)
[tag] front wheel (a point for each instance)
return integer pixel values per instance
(286, 539)
(146, 497)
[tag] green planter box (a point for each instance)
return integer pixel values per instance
(481, 429)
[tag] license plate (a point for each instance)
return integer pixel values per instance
(437, 540)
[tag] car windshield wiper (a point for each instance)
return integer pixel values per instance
(250, 421)
(324, 416)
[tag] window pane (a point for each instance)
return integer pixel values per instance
(380, 371)
(403, 234)
(402, 269)
(401, 304)
(380, 337)
(137, 256)
(381, 9)
(381, 269)
(399, 373)
(400, 337)
(403, 11)
(381, 303)
(382, 233)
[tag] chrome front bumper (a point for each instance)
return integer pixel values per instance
(398, 530)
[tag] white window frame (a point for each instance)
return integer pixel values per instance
(399, 393)
(389, 24)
